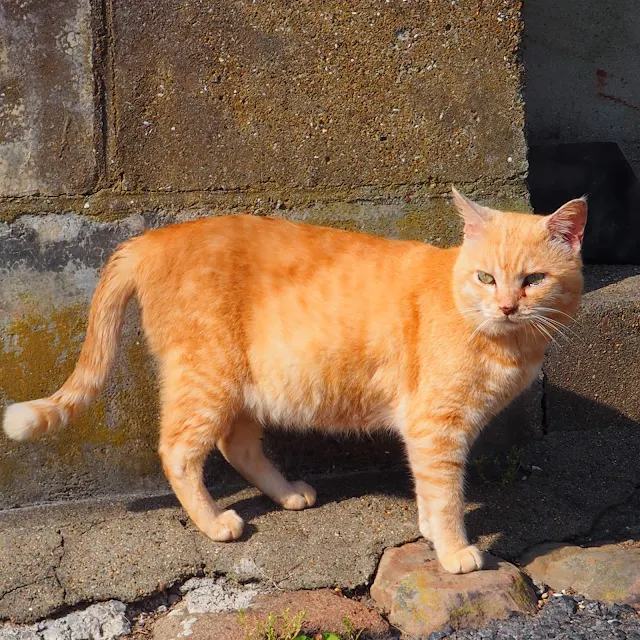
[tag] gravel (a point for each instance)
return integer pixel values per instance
(562, 618)
(103, 621)
(209, 595)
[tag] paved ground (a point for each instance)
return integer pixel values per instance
(570, 485)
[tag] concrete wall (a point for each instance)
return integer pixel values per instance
(583, 72)
(116, 116)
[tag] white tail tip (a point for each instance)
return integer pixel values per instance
(24, 420)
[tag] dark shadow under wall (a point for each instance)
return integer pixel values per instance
(582, 102)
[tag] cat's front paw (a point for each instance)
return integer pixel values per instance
(464, 560)
(304, 496)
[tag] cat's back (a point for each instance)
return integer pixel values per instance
(251, 244)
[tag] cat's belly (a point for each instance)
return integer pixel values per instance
(317, 408)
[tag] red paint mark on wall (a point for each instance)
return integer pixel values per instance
(601, 78)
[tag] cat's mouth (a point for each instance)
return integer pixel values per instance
(504, 323)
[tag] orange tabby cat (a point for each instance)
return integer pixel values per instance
(258, 321)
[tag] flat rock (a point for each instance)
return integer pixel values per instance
(420, 597)
(28, 585)
(126, 558)
(337, 543)
(315, 611)
(610, 572)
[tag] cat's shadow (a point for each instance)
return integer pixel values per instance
(252, 504)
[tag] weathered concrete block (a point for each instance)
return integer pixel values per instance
(239, 94)
(48, 270)
(46, 98)
(593, 382)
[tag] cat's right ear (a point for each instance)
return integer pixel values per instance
(474, 215)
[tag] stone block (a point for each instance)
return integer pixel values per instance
(420, 597)
(581, 66)
(49, 267)
(592, 382)
(609, 572)
(230, 95)
(46, 98)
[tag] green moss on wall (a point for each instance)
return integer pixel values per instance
(117, 434)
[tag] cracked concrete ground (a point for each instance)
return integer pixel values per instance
(55, 557)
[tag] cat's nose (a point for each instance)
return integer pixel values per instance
(508, 310)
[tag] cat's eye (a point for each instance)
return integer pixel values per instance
(486, 278)
(533, 279)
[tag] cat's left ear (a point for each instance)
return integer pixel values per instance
(475, 216)
(567, 223)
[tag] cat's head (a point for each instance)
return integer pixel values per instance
(519, 272)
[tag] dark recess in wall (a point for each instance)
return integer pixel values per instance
(582, 117)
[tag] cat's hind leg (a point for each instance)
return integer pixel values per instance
(242, 447)
(186, 438)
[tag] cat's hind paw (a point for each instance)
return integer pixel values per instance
(464, 560)
(226, 527)
(304, 496)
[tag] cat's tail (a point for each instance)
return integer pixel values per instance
(25, 420)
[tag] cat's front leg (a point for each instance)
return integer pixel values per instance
(437, 456)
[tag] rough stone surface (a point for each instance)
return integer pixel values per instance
(620, 523)
(420, 597)
(563, 485)
(298, 94)
(209, 595)
(103, 621)
(320, 547)
(46, 98)
(323, 610)
(610, 573)
(28, 583)
(592, 383)
(127, 550)
(140, 551)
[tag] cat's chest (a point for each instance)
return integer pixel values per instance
(507, 374)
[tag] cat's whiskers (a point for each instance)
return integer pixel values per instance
(543, 331)
(483, 324)
(553, 327)
(552, 310)
(470, 312)
(559, 326)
